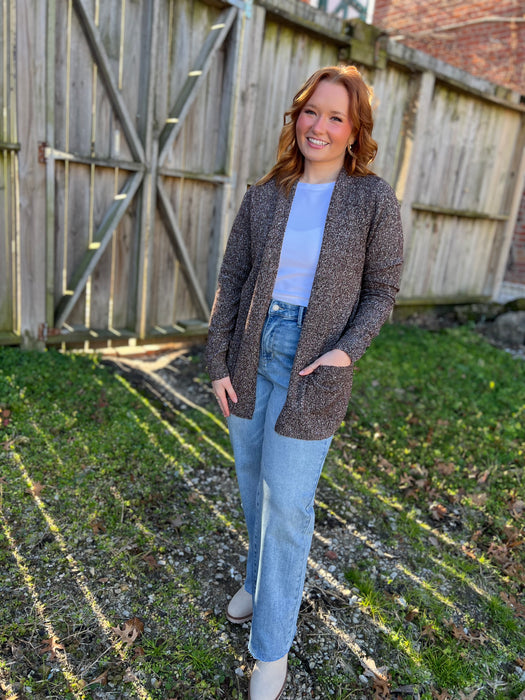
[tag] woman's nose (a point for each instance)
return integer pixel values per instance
(319, 124)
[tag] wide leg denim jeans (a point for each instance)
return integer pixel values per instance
(277, 478)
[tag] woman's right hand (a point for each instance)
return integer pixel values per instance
(222, 388)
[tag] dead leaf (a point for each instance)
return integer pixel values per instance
(412, 614)
(36, 489)
(51, 646)
(479, 499)
(406, 482)
(465, 635)
(483, 477)
(132, 629)
(440, 696)
(445, 468)
(418, 470)
(517, 509)
(468, 550)
(381, 689)
(437, 511)
(97, 526)
(151, 561)
(385, 464)
(519, 608)
(427, 631)
(6, 413)
(380, 678)
(129, 676)
(499, 552)
(17, 652)
(331, 554)
(102, 679)
(513, 535)
(470, 696)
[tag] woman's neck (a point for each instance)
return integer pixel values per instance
(316, 174)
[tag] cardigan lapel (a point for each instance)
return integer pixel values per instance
(340, 221)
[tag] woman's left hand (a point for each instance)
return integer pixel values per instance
(332, 358)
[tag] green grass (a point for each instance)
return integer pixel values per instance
(109, 499)
(434, 448)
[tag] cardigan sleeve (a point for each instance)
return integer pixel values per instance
(381, 275)
(235, 268)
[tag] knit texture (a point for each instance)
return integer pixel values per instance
(353, 293)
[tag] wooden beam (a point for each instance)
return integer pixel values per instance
(100, 162)
(225, 151)
(50, 165)
(177, 241)
(194, 81)
(147, 201)
(504, 243)
(6, 146)
(101, 239)
(462, 213)
(101, 59)
(214, 178)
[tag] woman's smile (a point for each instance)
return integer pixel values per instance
(316, 143)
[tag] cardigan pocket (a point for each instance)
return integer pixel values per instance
(327, 391)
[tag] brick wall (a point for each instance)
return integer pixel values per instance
(492, 50)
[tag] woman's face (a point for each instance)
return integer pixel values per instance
(323, 128)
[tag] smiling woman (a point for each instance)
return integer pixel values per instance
(309, 276)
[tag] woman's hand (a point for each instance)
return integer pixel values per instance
(332, 358)
(222, 388)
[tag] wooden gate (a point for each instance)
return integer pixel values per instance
(131, 202)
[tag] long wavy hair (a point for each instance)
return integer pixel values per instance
(290, 161)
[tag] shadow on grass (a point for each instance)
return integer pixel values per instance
(122, 535)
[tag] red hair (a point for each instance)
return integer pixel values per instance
(290, 161)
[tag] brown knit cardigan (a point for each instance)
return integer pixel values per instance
(353, 292)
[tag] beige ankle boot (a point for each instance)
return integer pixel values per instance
(268, 679)
(240, 608)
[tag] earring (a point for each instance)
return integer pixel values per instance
(349, 148)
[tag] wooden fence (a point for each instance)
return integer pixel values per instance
(130, 129)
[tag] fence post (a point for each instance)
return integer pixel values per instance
(31, 114)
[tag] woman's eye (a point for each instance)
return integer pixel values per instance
(309, 111)
(337, 119)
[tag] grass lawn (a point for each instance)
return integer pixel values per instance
(121, 532)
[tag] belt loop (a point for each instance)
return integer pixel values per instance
(300, 316)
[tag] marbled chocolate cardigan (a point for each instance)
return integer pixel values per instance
(353, 292)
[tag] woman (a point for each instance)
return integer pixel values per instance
(309, 275)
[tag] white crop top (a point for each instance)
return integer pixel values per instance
(302, 243)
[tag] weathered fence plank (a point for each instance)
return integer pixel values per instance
(31, 120)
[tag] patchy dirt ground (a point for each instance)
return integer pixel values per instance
(391, 576)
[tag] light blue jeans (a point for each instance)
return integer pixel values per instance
(277, 478)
